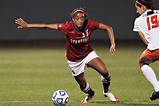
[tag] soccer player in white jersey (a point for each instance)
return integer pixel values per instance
(147, 26)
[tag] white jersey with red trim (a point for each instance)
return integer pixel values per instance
(148, 24)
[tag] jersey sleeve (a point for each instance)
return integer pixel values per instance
(94, 24)
(139, 27)
(63, 27)
(136, 27)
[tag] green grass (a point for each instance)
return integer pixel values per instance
(28, 77)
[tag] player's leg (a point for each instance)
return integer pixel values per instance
(84, 86)
(77, 69)
(100, 67)
(147, 58)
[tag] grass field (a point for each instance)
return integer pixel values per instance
(28, 77)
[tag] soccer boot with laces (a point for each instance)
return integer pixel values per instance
(110, 96)
(87, 99)
(155, 95)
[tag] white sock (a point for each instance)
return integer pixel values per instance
(151, 77)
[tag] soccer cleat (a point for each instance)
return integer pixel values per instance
(155, 95)
(87, 99)
(110, 96)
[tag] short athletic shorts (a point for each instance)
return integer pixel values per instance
(79, 67)
(152, 55)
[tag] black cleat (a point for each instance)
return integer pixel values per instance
(155, 95)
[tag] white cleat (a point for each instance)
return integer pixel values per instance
(110, 96)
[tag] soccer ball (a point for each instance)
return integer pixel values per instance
(60, 98)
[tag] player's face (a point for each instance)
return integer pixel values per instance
(79, 19)
(139, 8)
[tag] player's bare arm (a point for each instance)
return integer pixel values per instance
(109, 30)
(23, 24)
(143, 38)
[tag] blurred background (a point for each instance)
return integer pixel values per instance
(120, 14)
(33, 63)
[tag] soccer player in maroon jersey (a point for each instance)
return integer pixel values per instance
(79, 52)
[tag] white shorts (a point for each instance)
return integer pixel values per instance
(79, 67)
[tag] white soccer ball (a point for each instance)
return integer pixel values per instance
(60, 98)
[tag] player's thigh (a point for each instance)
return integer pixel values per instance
(145, 58)
(142, 55)
(98, 65)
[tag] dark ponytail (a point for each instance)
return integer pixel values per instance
(147, 3)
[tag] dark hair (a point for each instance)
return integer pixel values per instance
(147, 3)
(78, 10)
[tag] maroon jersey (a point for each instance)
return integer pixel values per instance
(77, 44)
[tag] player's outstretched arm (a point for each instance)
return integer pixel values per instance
(23, 24)
(110, 34)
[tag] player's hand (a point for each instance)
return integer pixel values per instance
(112, 48)
(21, 23)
